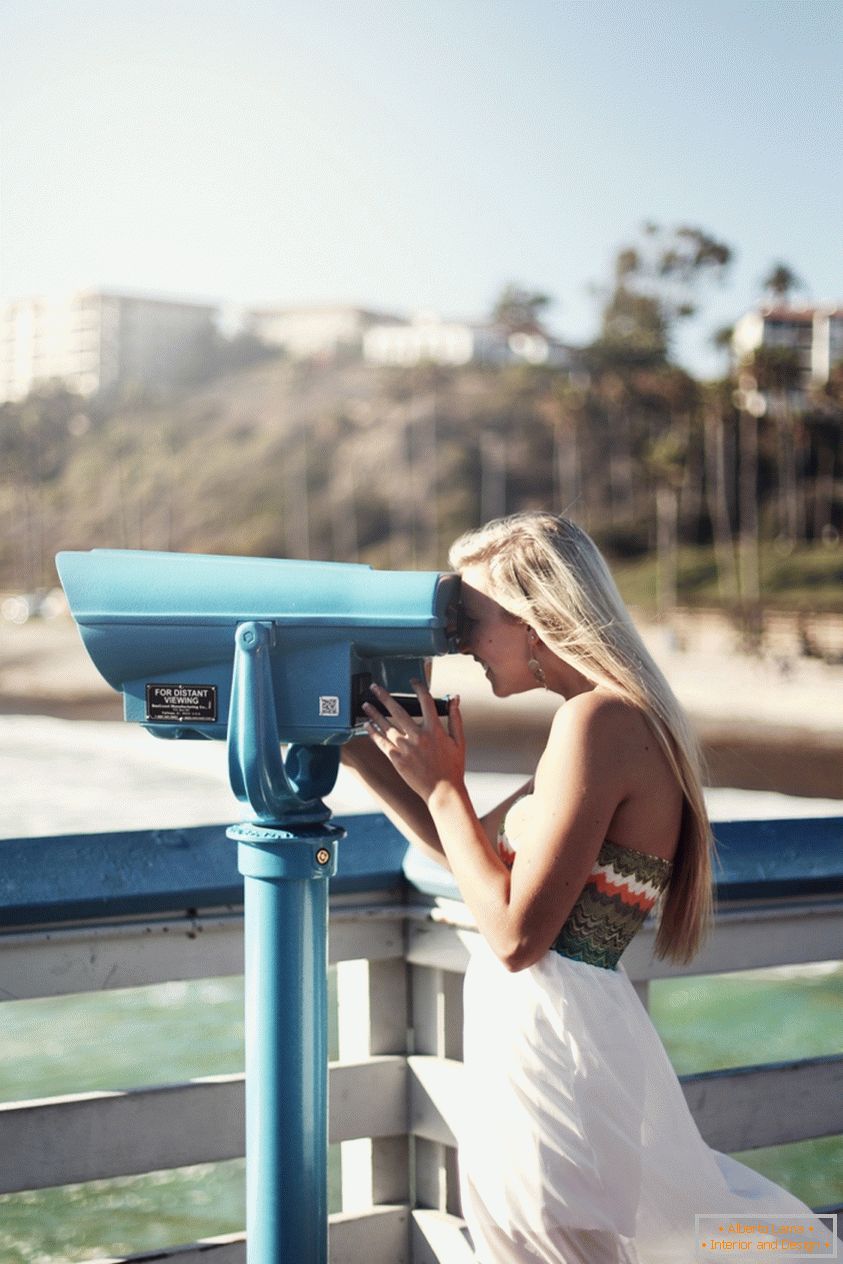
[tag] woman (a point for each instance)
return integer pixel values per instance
(577, 1145)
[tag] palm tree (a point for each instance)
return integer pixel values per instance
(751, 407)
(778, 373)
(781, 281)
(824, 423)
(566, 410)
(717, 406)
(665, 460)
(613, 390)
(721, 340)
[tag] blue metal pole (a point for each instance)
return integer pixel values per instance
(286, 858)
(286, 916)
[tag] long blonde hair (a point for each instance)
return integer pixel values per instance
(547, 571)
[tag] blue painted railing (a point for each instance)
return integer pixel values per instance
(80, 877)
(777, 869)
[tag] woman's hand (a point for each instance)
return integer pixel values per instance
(422, 753)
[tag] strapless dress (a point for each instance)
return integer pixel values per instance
(576, 1144)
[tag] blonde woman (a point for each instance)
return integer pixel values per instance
(576, 1146)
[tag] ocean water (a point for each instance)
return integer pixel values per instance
(175, 1031)
(115, 1040)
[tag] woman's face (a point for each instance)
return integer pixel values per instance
(494, 637)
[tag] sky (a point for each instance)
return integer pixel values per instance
(410, 155)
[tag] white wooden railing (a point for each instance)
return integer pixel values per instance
(400, 953)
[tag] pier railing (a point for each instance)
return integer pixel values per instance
(104, 911)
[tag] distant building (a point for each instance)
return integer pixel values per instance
(304, 332)
(458, 342)
(814, 333)
(94, 340)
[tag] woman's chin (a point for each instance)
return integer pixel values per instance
(490, 680)
(500, 688)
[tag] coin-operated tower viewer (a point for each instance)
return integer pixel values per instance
(259, 652)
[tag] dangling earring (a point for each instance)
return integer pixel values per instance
(533, 663)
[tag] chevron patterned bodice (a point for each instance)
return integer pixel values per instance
(620, 891)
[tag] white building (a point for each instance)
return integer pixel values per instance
(94, 340)
(458, 342)
(814, 333)
(304, 332)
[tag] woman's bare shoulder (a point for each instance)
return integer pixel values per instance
(603, 740)
(598, 713)
(608, 730)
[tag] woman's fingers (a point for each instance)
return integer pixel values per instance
(381, 724)
(380, 740)
(428, 706)
(455, 724)
(394, 727)
(424, 754)
(400, 718)
(375, 719)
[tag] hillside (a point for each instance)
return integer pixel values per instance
(352, 462)
(281, 458)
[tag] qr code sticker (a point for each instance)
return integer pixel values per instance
(329, 705)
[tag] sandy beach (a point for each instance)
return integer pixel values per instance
(771, 723)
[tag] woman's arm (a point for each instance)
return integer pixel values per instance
(405, 808)
(399, 803)
(492, 821)
(580, 780)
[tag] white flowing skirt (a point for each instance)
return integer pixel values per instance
(576, 1145)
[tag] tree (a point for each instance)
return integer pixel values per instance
(751, 406)
(665, 461)
(717, 408)
(564, 410)
(519, 310)
(781, 281)
(721, 340)
(653, 448)
(634, 330)
(37, 437)
(778, 373)
(655, 285)
(824, 423)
